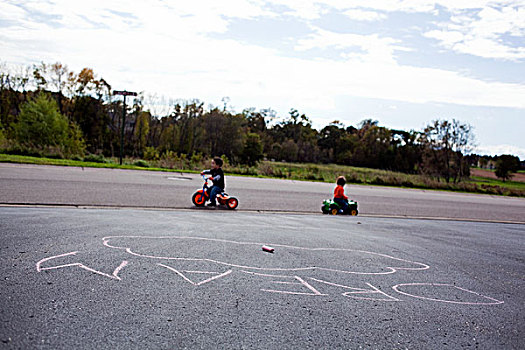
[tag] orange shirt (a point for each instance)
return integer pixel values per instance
(339, 192)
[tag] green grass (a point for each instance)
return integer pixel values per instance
(111, 163)
(293, 171)
(494, 182)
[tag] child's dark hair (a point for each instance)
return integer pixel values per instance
(341, 181)
(218, 161)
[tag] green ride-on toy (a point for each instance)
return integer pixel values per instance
(331, 207)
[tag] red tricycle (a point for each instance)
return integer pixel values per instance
(200, 197)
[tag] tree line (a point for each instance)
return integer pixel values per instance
(47, 108)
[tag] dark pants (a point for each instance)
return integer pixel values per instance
(214, 191)
(343, 203)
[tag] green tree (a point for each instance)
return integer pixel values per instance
(41, 126)
(289, 151)
(253, 149)
(187, 133)
(2, 136)
(373, 146)
(506, 165)
(141, 132)
(224, 134)
(93, 119)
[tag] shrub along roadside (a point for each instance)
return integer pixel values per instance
(291, 171)
(41, 128)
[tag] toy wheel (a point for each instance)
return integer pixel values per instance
(334, 211)
(232, 203)
(353, 212)
(198, 199)
(325, 211)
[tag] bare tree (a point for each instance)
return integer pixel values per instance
(40, 76)
(444, 145)
(158, 105)
(59, 73)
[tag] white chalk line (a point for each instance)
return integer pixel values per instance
(114, 275)
(39, 263)
(265, 274)
(390, 269)
(396, 288)
(301, 282)
(358, 291)
(195, 283)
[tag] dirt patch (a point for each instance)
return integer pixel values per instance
(519, 177)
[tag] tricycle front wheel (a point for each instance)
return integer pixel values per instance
(198, 199)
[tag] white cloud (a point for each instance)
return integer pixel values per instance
(172, 49)
(475, 27)
(377, 5)
(10, 12)
(165, 51)
(481, 33)
(373, 49)
(361, 15)
(497, 150)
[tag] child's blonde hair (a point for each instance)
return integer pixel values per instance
(341, 181)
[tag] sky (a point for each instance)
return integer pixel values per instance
(403, 63)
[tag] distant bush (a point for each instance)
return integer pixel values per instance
(151, 153)
(244, 170)
(42, 127)
(266, 169)
(171, 160)
(141, 163)
(22, 150)
(95, 158)
(3, 138)
(353, 178)
(377, 181)
(407, 183)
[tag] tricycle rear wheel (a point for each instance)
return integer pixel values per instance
(232, 203)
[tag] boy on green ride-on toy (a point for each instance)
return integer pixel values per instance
(339, 194)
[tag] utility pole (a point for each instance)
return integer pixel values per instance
(123, 93)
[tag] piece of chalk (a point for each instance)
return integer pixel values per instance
(267, 249)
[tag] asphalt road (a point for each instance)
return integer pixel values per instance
(50, 185)
(97, 268)
(153, 279)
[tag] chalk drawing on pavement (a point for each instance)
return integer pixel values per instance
(287, 271)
